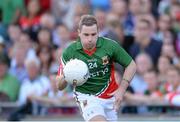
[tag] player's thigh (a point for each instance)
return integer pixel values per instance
(93, 111)
(98, 118)
(111, 115)
(110, 112)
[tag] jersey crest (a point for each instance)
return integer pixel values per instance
(105, 60)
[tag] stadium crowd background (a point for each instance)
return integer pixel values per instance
(33, 34)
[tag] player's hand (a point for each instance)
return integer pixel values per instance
(61, 83)
(74, 83)
(118, 99)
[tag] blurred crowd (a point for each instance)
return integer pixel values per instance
(33, 34)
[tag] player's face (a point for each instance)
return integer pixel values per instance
(88, 36)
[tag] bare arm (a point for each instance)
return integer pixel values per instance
(138, 99)
(51, 101)
(127, 77)
(43, 99)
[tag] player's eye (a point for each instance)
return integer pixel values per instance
(93, 34)
(86, 34)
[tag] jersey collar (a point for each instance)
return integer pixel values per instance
(79, 45)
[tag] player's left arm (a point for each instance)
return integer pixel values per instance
(124, 59)
(127, 77)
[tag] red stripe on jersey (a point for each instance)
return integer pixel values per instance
(90, 52)
(60, 69)
(111, 87)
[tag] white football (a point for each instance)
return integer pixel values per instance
(76, 71)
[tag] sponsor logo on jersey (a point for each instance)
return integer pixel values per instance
(101, 72)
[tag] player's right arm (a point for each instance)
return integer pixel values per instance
(65, 57)
(61, 83)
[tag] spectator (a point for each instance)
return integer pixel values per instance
(48, 21)
(147, 6)
(175, 15)
(144, 42)
(44, 38)
(74, 33)
(135, 7)
(101, 17)
(45, 4)
(114, 29)
(9, 85)
(119, 8)
(169, 51)
(151, 78)
(14, 32)
(26, 43)
(17, 68)
(34, 85)
(173, 80)
(164, 6)
(55, 98)
(144, 63)
(44, 54)
(162, 67)
(11, 10)
(172, 87)
(173, 93)
(56, 53)
(164, 25)
(63, 33)
(33, 16)
(153, 91)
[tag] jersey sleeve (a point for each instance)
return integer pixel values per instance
(120, 55)
(60, 69)
(64, 59)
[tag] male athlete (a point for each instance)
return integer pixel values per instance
(100, 97)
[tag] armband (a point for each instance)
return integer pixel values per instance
(126, 80)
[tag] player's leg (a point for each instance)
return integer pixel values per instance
(111, 114)
(93, 111)
(91, 107)
(98, 118)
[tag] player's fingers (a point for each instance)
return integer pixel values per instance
(59, 77)
(117, 104)
(74, 82)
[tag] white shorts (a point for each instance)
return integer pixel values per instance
(92, 106)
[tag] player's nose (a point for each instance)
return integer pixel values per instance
(90, 39)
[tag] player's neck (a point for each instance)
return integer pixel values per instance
(90, 52)
(89, 49)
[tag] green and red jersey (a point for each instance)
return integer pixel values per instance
(100, 62)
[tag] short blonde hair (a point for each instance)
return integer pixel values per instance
(87, 20)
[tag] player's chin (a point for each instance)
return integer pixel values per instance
(91, 46)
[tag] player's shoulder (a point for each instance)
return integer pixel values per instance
(72, 46)
(107, 41)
